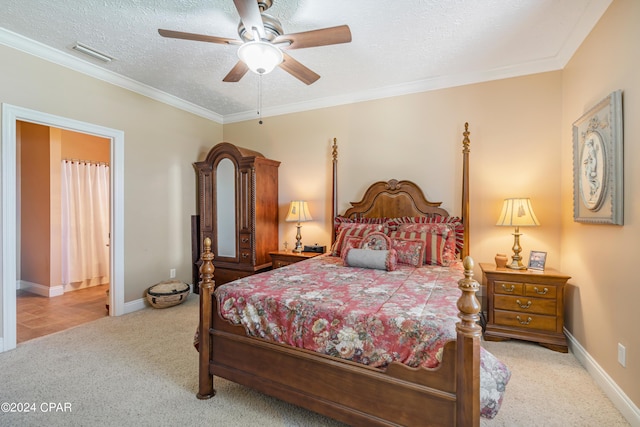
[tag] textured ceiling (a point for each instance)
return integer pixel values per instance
(398, 47)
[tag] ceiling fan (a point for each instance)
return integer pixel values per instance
(263, 42)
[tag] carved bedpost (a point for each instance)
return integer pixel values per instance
(465, 190)
(334, 196)
(205, 379)
(468, 350)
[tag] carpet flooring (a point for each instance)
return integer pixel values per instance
(141, 369)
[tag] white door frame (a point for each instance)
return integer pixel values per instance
(8, 228)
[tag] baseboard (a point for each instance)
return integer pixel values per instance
(42, 290)
(619, 399)
(135, 305)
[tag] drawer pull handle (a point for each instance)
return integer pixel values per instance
(245, 240)
(524, 322)
(525, 306)
(245, 255)
(511, 289)
(543, 292)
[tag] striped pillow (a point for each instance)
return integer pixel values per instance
(454, 222)
(435, 238)
(338, 221)
(353, 230)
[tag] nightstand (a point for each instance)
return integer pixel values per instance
(281, 258)
(526, 305)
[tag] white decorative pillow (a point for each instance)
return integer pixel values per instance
(366, 258)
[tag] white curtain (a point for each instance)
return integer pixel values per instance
(85, 221)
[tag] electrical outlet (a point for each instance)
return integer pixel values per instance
(172, 273)
(622, 355)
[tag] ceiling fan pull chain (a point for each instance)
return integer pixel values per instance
(260, 98)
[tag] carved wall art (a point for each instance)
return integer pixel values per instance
(598, 189)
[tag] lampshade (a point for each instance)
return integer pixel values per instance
(298, 212)
(517, 213)
(261, 57)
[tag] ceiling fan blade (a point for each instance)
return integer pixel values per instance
(323, 37)
(236, 73)
(298, 70)
(197, 37)
(249, 12)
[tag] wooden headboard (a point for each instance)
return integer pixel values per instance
(393, 198)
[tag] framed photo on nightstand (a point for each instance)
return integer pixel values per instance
(537, 260)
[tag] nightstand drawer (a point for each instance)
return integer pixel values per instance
(525, 321)
(282, 263)
(540, 291)
(525, 305)
(281, 259)
(508, 288)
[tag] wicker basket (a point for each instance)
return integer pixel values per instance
(168, 293)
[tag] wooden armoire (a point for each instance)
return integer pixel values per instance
(238, 209)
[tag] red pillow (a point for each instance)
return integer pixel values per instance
(409, 251)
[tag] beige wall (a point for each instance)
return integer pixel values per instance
(515, 134)
(160, 145)
(603, 299)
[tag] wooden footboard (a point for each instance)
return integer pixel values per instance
(343, 390)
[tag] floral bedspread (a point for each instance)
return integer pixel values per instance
(368, 316)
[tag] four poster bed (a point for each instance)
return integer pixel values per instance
(364, 334)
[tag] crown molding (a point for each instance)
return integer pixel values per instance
(40, 50)
(443, 82)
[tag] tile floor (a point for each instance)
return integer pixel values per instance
(38, 316)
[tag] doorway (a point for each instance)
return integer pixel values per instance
(63, 228)
(8, 211)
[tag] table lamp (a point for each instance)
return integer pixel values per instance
(298, 212)
(517, 212)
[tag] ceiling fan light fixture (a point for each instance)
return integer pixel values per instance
(261, 57)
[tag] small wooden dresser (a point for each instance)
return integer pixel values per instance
(526, 305)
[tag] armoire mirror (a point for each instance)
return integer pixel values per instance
(225, 206)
